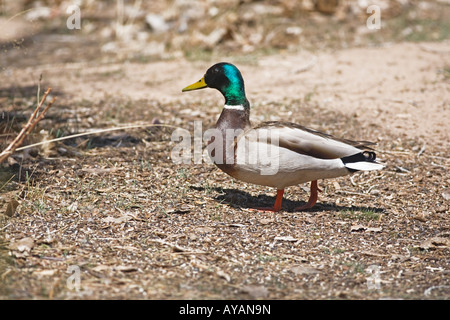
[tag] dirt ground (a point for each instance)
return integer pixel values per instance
(110, 216)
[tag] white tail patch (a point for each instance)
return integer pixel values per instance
(364, 166)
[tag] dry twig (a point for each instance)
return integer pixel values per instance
(34, 119)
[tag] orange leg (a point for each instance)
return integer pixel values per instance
(312, 198)
(277, 206)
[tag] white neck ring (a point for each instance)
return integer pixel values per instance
(234, 107)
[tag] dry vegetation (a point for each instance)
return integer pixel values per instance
(137, 226)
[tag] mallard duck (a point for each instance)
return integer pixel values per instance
(276, 154)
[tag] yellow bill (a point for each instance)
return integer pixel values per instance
(200, 84)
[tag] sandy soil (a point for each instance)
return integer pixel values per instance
(399, 85)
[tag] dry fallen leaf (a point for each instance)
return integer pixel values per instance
(11, 208)
(121, 219)
(21, 248)
(45, 273)
(420, 217)
(101, 267)
(376, 229)
(125, 268)
(357, 227)
(266, 221)
(286, 238)
(237, 225)
(202, 230)
(374, 254)
(224, 275)
(434, 243)
(177, 211)
(299, 270)
(99, 170)
(446, 194)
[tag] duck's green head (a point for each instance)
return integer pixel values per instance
(226, 78)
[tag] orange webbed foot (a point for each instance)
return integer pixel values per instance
(276, 207)
(312, 198)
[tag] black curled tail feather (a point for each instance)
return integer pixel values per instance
(368, 156)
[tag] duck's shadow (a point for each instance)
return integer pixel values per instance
(241, 199)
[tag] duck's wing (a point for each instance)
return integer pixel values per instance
(309, 142)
